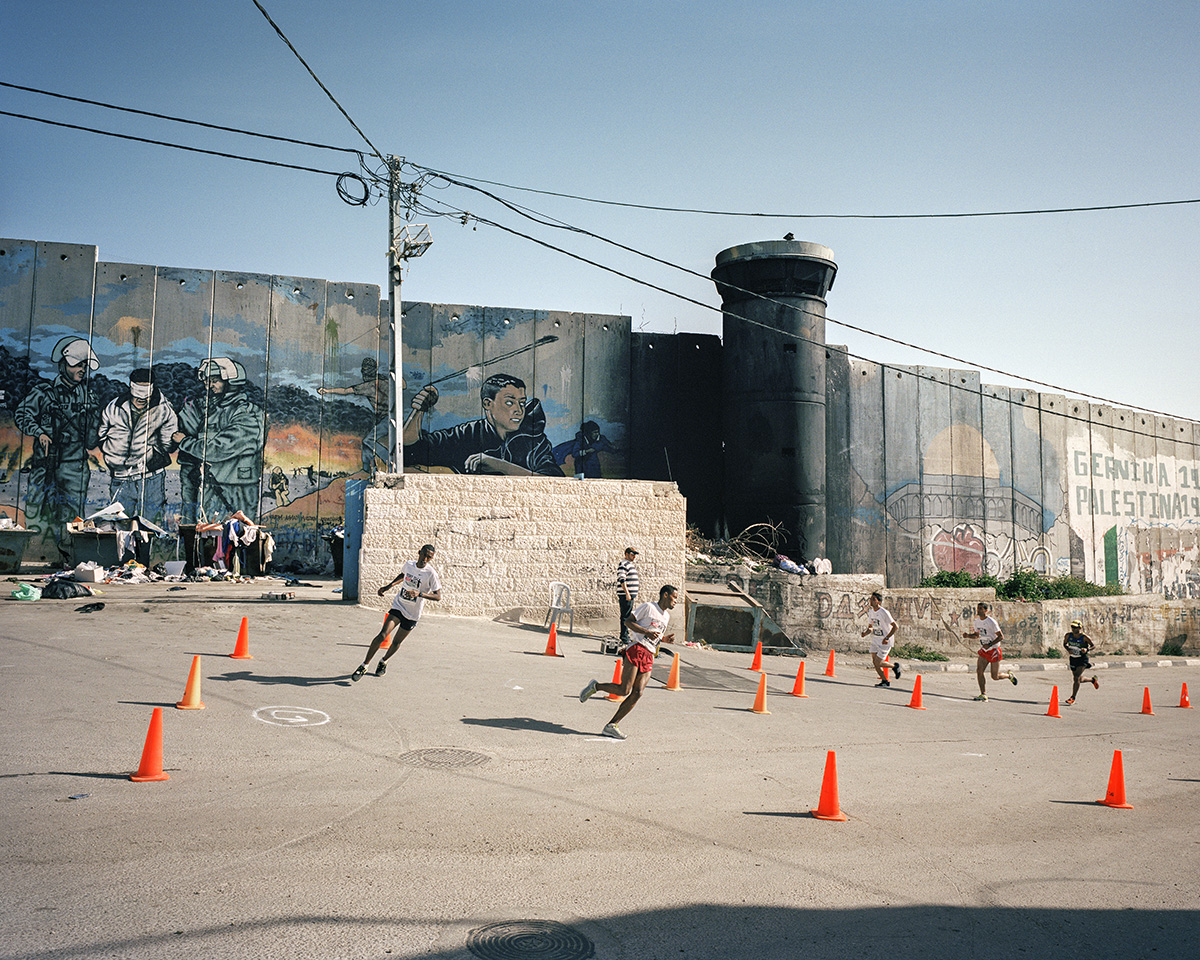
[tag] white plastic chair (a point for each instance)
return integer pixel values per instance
(560, 603)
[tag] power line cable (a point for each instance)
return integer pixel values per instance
(179, 146)
(163, 116)
(821, 216)
(557, 224)
(283, 37)
(466, 216)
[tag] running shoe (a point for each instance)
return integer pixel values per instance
(883, 683)
(1096, 682)
(982, 696)
(1013, 677)
(381, 669)
(587, 692)
(610, 730)
(1069, 701)
(357, 674)
(896, 669)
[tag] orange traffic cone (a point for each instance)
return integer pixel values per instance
(1183, 699)
(616, 697)
(1146, 708)
(151, 766)
(829, 666)
(760, 698)
(915, 702)
(191, 693)
(827, 806)
(673, 678)
(1053, 711)
(241, 650)
(1116, 785)
(798, 689)
(756, 663)
(552, 643)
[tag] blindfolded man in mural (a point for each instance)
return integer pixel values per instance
(63, 417)
(510, 438)
(220, 445)
(136, 431)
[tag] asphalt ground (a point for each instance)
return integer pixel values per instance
(465, 805)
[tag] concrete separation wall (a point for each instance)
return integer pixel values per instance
(829, 613)
(501, 540)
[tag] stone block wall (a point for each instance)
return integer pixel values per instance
(829, 613)
(501, 540)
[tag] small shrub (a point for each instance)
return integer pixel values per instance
(914, 651)
(1172, 648)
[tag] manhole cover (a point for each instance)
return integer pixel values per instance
(529, 940)
(440, 758)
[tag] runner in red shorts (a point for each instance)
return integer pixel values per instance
(987, 631)
(647, 624)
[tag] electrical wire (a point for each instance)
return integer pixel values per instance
(823, 216)
(178, 146)
(195, 123)
(556, 224)
(427, 175)
(466, 216)
(283, 37)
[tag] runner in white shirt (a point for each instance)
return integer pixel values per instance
(421, 583)
(647, 624)
(987, 631)
(882, 628)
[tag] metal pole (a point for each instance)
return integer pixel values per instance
(395, 424)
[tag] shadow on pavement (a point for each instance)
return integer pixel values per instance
(523, 723)
(341, 679)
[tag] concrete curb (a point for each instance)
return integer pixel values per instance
(1049, 666)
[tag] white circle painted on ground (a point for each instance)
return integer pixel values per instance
(291, 716)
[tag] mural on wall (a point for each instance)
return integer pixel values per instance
(489, 392)
(1138, 515)
(186, 395)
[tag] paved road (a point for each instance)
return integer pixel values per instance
(306, 816)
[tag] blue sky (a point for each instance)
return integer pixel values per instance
(791, 107)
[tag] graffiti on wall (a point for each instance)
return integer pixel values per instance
(948, 510)
(1138, 515)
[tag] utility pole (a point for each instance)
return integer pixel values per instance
(406, 242)
(395, 375)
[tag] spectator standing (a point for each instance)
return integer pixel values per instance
(627, 590)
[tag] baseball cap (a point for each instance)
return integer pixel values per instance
(632, 550)
(1077, 623)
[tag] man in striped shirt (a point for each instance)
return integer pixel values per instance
(627, 590)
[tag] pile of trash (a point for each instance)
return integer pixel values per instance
(756, 548)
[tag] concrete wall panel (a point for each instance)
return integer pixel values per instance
(902, 472)
(998, 533)
(838, 530)
(1056, 555)
(606, 392)
(17, 258)
(935, 441)
(867, 475)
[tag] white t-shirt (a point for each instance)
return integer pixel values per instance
(650, 616)
(417, 580)
(881, 625)
(988, 630)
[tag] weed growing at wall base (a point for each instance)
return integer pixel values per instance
(914, 651)
(1025, 585)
